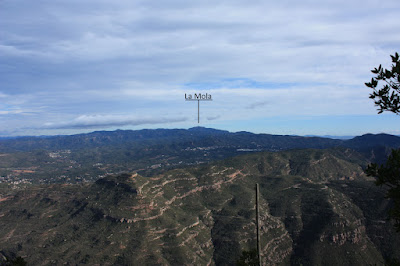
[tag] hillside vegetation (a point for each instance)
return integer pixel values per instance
(317, 206)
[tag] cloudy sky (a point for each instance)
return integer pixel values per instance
(281, 67)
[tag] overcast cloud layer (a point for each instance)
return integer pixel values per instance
(283, 67)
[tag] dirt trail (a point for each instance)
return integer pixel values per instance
(168, 204)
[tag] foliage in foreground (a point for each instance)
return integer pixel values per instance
(389, 174)
(388, 99)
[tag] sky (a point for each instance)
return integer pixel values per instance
(277, 67)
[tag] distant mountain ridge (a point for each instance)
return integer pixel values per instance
(86, 157)
(198, 136)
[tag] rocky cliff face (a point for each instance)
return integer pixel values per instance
(312, 212)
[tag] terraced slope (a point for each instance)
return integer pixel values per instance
(316, 209)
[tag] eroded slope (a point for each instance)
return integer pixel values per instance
(313, 212)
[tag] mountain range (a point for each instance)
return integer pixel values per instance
(193, 137)
(87, 157)
(317, 205)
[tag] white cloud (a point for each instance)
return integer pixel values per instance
(107, 121)
(11, 112)
(91, 57)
